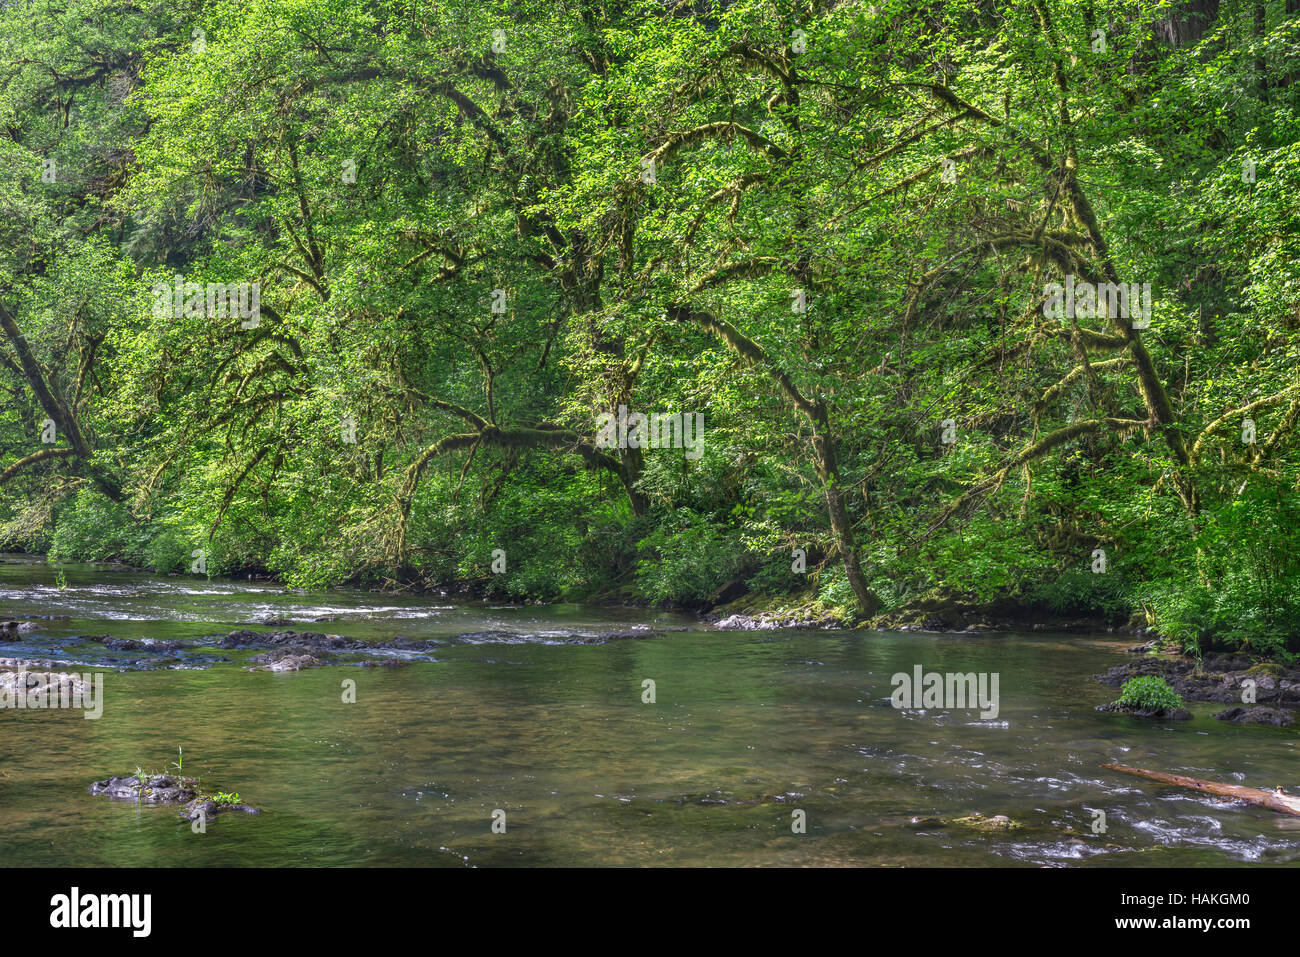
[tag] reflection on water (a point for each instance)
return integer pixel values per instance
(746, 728)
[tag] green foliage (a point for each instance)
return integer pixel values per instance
(1149, 693)
(167, 552)
(686, 558)
(1246, 594)
(776, 577)
(834, 591)
(91, 528)
(1080, 591)
(382, 187)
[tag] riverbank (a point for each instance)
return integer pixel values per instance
(736, 606)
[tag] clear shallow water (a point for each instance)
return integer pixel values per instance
(747, 727)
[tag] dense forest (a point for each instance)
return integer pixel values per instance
(849, 305)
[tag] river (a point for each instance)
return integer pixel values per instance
(746, 728)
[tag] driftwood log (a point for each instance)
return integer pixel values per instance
(1273, 800)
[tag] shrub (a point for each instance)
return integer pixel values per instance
(167, 552)
(92, 528)
(687, 558)
(1078, 591)
(1149, 693)
(1243, 591)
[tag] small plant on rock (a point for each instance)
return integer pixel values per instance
(1149, 693)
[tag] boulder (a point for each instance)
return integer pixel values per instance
(1160, 714)
(1256, 715)
(156, 789)
(48, 684)
(208, 809)
(288, 659)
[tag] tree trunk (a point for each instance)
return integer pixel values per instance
(55, 409)
(1186, 25)
(751, 353)
(1292, 9)
(828, 471)
(1261, 62)
(1273, 800)
(50, 398)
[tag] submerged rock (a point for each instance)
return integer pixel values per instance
(32, 664)
(1256, 715)
(271, 619)
(608, 636)
(925, 822)
(405, 643)
(135, 644)
(312, 641)
(485, 637)
(976, 822)
(515, 638)
(208, 809)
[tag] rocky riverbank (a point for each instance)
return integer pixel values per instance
(934, 614)
(1260, 693)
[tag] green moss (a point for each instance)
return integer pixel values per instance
(978, 822)
(1271, 668)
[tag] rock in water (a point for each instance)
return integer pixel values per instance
(978, 822)
(48, 685)
(1256, 715)
(208, 809)
(1162, 714)
(159, 789)
(165, 789)
(287, 659)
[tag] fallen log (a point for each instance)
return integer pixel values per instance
(1273, 800)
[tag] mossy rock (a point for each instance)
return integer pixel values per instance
(978, 822)
(1271, 668)
(975, 822)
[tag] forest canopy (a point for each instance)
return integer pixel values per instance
(989, 299)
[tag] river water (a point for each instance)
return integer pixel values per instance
(746, 729)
